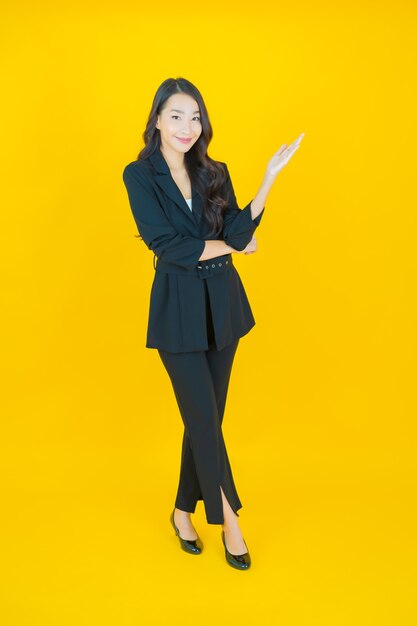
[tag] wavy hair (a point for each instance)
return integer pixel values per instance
(206, 175)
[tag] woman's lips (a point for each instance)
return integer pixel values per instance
(183, 140)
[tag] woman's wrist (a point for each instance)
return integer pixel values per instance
(229, 249)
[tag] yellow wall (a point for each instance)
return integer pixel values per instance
(320, 421)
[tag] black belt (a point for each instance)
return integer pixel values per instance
(203, 269)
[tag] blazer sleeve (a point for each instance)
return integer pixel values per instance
(154, 227)
(238, 226)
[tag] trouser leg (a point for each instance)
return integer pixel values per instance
(189, 491)
(200, 381)
(220, 364)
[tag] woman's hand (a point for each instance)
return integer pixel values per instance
(282, 156)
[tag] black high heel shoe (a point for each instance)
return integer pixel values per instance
(238, 561)
(193, 546)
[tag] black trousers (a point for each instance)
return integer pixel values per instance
(200, 381)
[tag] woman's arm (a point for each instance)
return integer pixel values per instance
(158, 234)
(238, 224)
(156, 231)
(215, 247)
(258, 203)
(275, 165)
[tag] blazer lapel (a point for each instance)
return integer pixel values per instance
(164, 179)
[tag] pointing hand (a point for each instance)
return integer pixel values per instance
(282, 156)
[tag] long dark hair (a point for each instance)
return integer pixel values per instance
(206, 174)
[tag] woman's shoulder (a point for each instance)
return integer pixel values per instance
(138, 173)
(142, 166)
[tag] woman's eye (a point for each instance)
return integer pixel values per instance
(177, 116)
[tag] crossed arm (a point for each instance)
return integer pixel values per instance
(161, 237)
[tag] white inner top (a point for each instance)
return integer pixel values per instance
(188, 201)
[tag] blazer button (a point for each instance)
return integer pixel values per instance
(220, 264)
(213, 265)
(227, 262)
(206, 267)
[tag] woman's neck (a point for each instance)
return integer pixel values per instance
(175, 160)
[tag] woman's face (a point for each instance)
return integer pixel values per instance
(180, 119)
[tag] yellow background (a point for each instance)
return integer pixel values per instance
(320, 420)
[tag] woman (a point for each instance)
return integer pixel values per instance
(186, 212)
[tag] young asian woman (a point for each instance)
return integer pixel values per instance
(186, 212)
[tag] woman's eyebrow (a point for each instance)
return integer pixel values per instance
(178, 111)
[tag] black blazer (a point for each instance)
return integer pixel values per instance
(176, 235)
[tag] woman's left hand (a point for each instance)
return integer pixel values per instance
(282, 156)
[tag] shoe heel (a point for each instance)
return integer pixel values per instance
(238, 561)
(192, 546)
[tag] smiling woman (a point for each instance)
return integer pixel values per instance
(178, 125)
(199, 309)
